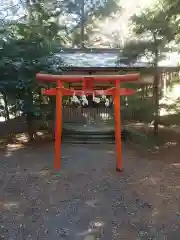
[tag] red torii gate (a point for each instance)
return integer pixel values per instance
(88, 88)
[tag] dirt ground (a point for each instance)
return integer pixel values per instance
(87, 199)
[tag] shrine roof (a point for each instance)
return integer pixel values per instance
(109, 60)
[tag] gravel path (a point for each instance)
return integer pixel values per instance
(87, 199)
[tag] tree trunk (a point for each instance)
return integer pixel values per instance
(82, 24)
(30, 116)
(156, 94)
(7, 117)
(29, 120)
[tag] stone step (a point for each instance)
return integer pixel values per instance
(79, 135)
(91, 137)
(88, 138)
(85, 138)
(88, 141)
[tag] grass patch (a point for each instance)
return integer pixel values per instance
(146, 140)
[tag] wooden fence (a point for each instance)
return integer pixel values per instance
(82, 115)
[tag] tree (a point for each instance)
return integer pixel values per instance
(81, 18)
(153, 32)
(26, 50)
(86, 14)
(172, 8)
(172, 12)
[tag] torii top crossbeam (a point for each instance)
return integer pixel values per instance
(94, 78)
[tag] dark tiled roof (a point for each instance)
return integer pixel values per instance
(104, 60)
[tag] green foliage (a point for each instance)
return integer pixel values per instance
(27, 47)
(138, 107)
(93, 8)
(155, 23)
(172, 8)
(172, 11)
(94, 11)
(153, 32)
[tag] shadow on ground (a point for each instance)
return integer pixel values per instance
(87, 199)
